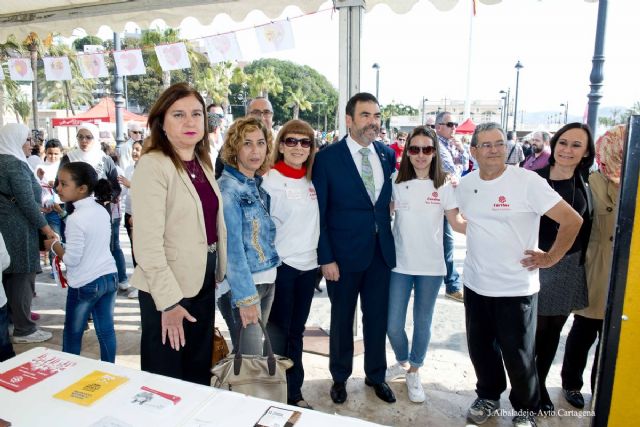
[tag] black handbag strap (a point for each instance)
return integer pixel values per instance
(271, 358)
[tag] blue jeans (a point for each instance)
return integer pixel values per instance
(425, 292)
(452, 279)
(99, 299)
(117, 253)
(6, 349)
(251, 340)
(57, 225)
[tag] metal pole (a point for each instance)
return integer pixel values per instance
(597, 74)
(376, 67)
(350, 23)
(117, 95)
(515, 105)
(506, 117)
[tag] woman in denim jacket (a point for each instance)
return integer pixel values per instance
(252, 257)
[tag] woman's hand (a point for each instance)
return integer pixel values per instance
(172, 326)
(248, 315)
(537, 259)
(49, 233)
(124, 181)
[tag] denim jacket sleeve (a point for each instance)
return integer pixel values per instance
(243, 290)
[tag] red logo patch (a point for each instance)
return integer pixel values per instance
(502, 204)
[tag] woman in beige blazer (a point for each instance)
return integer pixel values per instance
(179, 238)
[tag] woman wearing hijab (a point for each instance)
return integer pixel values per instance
(90, 151)
(20, 219)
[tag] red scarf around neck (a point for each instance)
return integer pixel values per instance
(290, 172)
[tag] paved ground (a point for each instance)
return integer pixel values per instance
(448, 375)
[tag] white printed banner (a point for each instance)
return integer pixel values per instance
(57, 68)
(92, 66)
(129, 62)
(275, 36)
(173, 56)
(20, 69)
(223, 47)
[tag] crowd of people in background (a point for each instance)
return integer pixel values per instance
(244, 217)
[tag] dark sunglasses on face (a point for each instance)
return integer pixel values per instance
(137, 132)
(450, 124)
(431, 126)
(415, 150)
(402, 139)
(292, 142)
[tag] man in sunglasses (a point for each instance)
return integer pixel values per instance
(398, 147)
(135, 132)
(356, 251)
(455, 160)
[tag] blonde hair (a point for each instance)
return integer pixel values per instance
(609, 152)
(235, 136)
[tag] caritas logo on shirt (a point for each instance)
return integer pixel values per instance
(502, 204)
(433, 199)
(312, 193)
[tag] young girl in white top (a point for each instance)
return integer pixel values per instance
(421, 196)
(294, 210)
(91, 269)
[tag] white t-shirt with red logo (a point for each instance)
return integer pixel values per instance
(503, 217)
(417, 228)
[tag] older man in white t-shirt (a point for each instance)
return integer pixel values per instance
(503, 205)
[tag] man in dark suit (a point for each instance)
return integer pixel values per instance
(352, 179)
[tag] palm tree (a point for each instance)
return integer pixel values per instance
(264, 81)
(215, 81)
(17, 103)
(298, 101)
(8, 48)
(34, 45)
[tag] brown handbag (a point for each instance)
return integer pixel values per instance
(220, 347)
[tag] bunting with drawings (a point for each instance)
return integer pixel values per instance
(20, 69)
(93, 66)
(173, 56)
(129, 62)
(57, 68)
(275, 36)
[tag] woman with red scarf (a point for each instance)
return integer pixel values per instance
(294, 210)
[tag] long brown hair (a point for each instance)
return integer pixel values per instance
(407, 172)
(234, 138)
(158, 140)
(300, 127)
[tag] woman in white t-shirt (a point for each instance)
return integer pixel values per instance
(421, 196)
(294, 210)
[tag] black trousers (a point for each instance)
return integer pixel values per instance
(129, 228)
(289, 312)
(193, 361)
(372, 285)
(547, 340)
(502, 330)
(582, 335)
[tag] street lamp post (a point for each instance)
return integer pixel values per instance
(566, 110)
(515, 105)
(506, 107)
(376, 67)
(423, 101)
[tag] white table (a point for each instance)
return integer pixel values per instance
(200, 406)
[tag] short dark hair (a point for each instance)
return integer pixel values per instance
(359, 97)
(53, 143)
(214, 104)
(586, 162)
(484, 127)
(510, 135)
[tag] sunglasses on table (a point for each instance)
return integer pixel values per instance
(292, 142)
(415, 150)
(450, 124)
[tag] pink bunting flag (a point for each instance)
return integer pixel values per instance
(129, 62)
(20, 69)
(173, 56)
(92, 66)
(57, 68)
(275, 36)
(223, 47)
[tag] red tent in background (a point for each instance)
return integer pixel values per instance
(467, 127)
(103, 111)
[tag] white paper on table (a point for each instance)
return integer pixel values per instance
(173, 56)
(57, 68)
(110, 421)
(92, 66)
(223, 47)
(275, 36)
(20, 69)
(129, 62)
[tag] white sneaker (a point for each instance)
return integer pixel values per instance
(123, 286)
(414, 387)
(395, 371)
(38, 336)
(133, 293)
